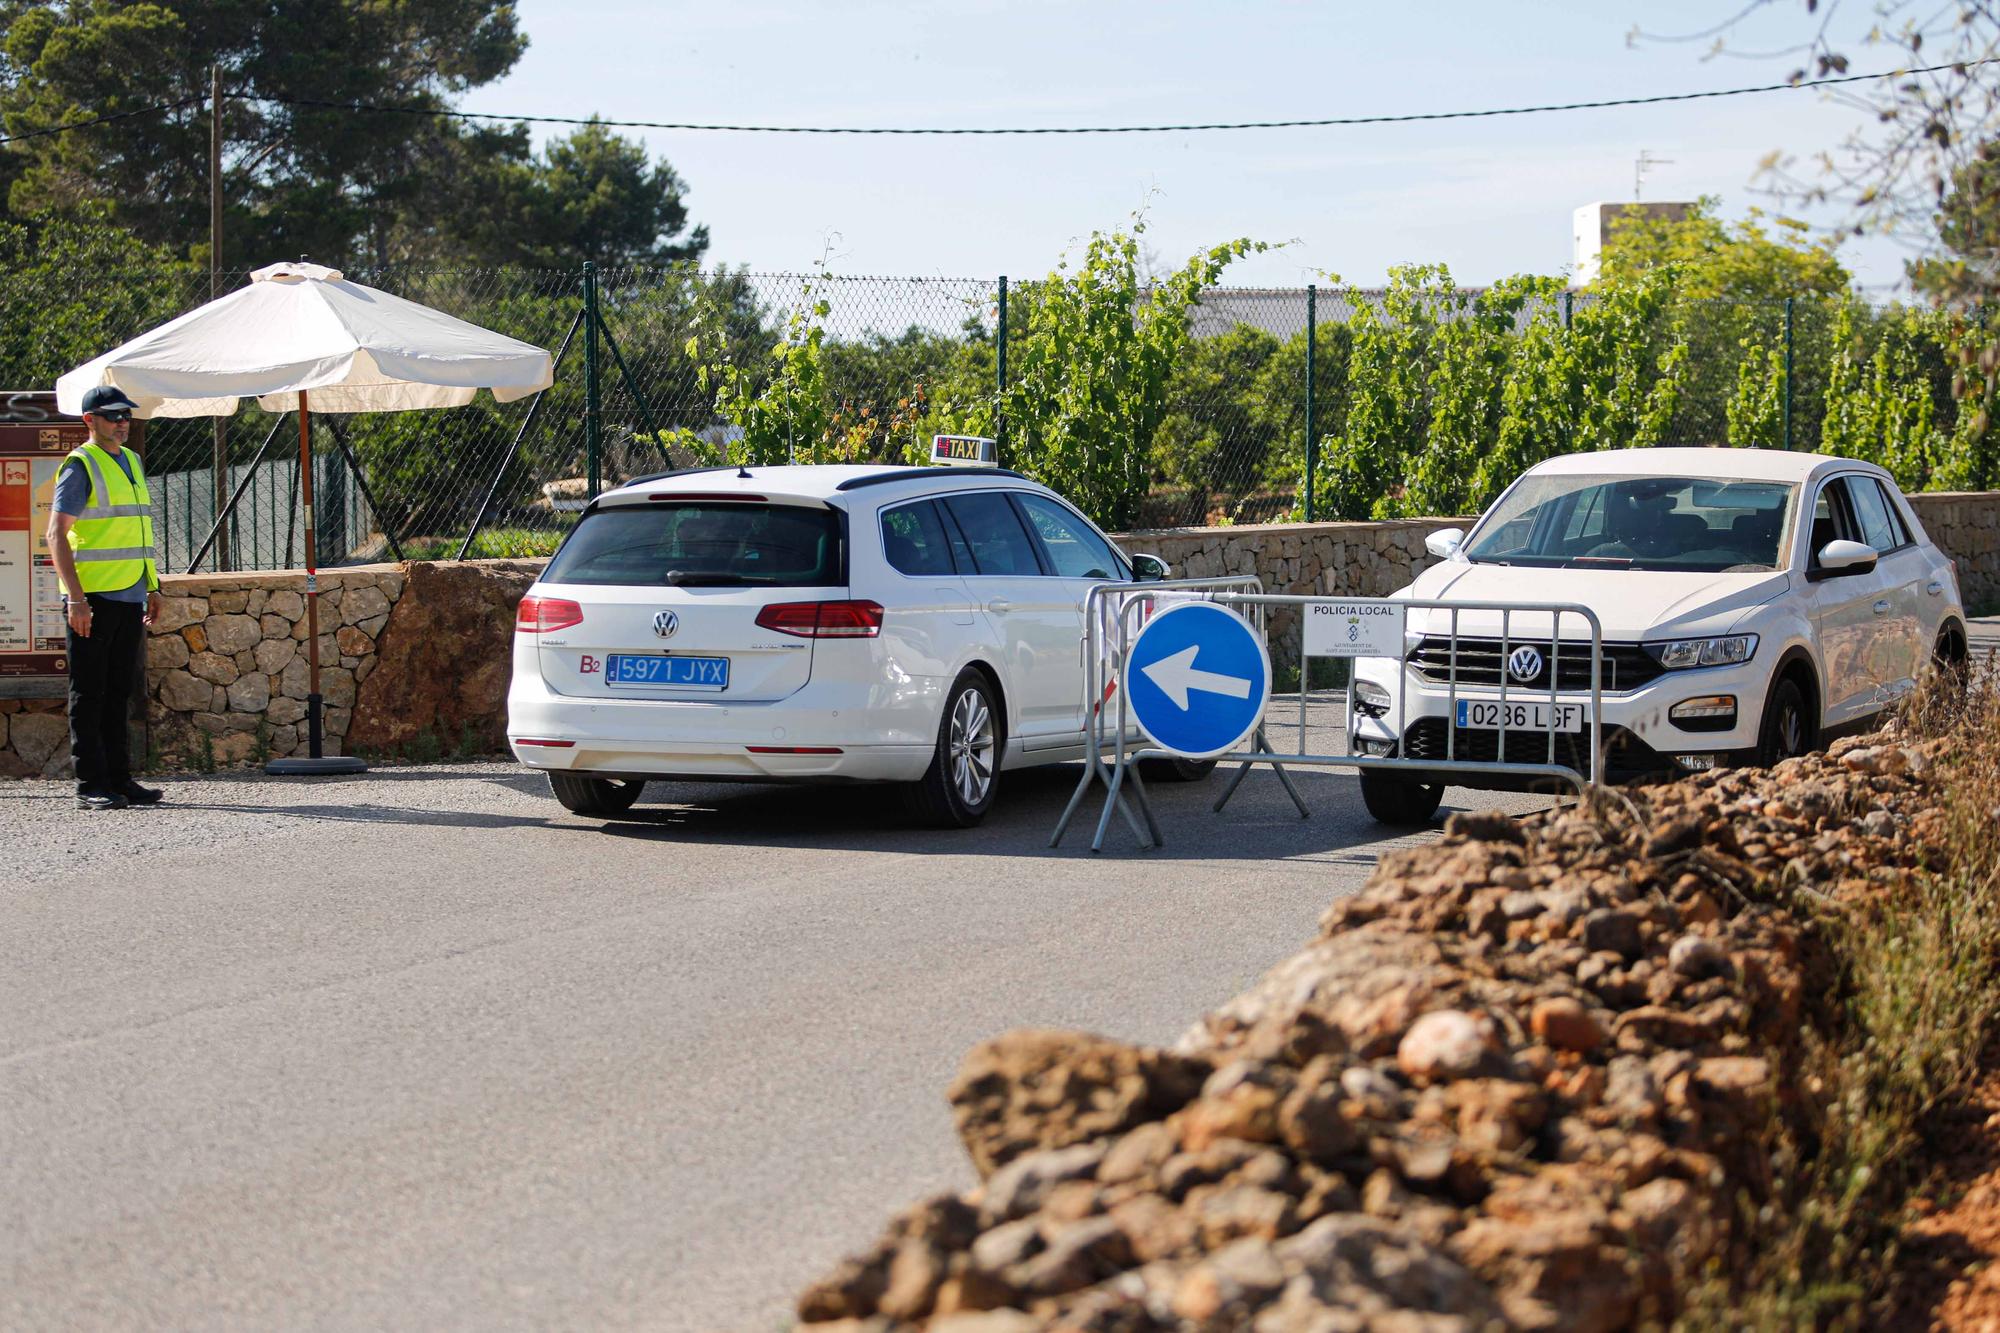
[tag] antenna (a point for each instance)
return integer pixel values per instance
(1639, 168)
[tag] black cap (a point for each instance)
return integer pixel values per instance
(105, 398)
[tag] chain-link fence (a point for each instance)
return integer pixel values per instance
(1277, 401)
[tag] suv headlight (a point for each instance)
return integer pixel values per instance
(1679, 654)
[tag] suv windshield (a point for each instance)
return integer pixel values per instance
(702, 544)
(1624, 522)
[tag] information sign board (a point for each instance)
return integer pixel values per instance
(1199, 679)
(34, 439)
(1357, 627)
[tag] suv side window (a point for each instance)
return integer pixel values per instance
(1000, 545)
(914, 541)
(1074, 550)
(1871, 512)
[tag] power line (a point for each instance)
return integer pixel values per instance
(101, 120)
(1325, 122)
(1124, 129)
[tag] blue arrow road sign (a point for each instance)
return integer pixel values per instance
(1199, 679)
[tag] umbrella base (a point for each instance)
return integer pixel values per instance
(326, 766)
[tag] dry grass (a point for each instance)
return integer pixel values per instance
(1917, 988)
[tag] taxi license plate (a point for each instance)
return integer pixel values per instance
(675, 673)
(1486, 714)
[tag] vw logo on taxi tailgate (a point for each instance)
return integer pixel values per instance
(1524, 664)
(666, 622)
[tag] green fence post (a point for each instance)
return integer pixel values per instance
(1312, 385)
(1788, 372)
(1000, 379)
(593, 427)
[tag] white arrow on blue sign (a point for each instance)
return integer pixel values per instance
(1198, 678)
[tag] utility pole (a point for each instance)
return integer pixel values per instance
(220, 454)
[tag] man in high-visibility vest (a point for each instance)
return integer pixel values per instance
(100, 537)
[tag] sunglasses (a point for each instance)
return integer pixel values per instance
(113, 414)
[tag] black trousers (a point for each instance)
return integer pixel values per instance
(102, 672)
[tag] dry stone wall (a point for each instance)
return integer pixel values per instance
(1966, 526)
(227, 669)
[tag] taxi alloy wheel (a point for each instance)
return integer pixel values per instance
(958, 788)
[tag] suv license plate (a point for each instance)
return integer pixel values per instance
(1485, 714)
(672, 673)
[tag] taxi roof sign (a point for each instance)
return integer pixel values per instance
(964, 451)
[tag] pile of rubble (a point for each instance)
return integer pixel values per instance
(1525, 1079)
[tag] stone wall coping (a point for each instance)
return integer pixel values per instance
(184, 584)
(1258, 529)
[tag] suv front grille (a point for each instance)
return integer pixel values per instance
(1627, 666)
(1625, 755)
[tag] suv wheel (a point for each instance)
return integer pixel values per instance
(958, 788)
(1789, 728)
(1399, 800)
(594, 796)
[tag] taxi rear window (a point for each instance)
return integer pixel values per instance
(704, 544)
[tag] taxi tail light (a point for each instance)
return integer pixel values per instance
(823, 620)
(539, 615)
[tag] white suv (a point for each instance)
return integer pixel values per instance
(1753, 604)
(912, 625)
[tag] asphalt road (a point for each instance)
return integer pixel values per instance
(419, 1050)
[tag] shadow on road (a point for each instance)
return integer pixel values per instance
(1259, 823)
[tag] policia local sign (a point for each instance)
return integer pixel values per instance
(34, 440)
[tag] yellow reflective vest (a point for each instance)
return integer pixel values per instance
(112, 538)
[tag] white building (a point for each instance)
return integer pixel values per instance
(1593, 229)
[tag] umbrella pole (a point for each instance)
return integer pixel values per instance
(315, 762)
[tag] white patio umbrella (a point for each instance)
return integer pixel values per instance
(299, 330)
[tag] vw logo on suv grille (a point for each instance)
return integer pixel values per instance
(1524, 664)
(666, 622)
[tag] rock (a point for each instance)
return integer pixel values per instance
(1566, 1024)
(182, 693)
(274, 655)
(1484, 826)
(295, 681)
(1361, 1263)
(179, 612)
(1233, 1281)
(1446, 1044)
(231, 601)
(352, 642)
(1077, 1256)
(213, 667)
(39, 738)
(362, 603)
(336, 687)
(237, 747)
(196, 638)
(166, 651)
(1697, 956)
(287, 604)
(284, 710)
(250, 693)
(232, 634)
(444, 657)
(1140, 1152)
(1023, 1184)
(1879, 824)
(1007, 1244)
(1613, 930)
(1046, 1089)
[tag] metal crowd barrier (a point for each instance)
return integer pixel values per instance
(1115, 612)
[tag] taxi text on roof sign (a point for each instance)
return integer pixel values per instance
(964, 450)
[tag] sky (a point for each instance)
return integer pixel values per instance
(1489, 198)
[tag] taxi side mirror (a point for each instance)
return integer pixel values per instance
(1444, 543)
(1150, 569)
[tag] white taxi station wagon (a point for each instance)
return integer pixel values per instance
(1752, 604)
(921, 626)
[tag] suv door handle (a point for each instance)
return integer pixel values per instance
(1882, 607)
(999, 606)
